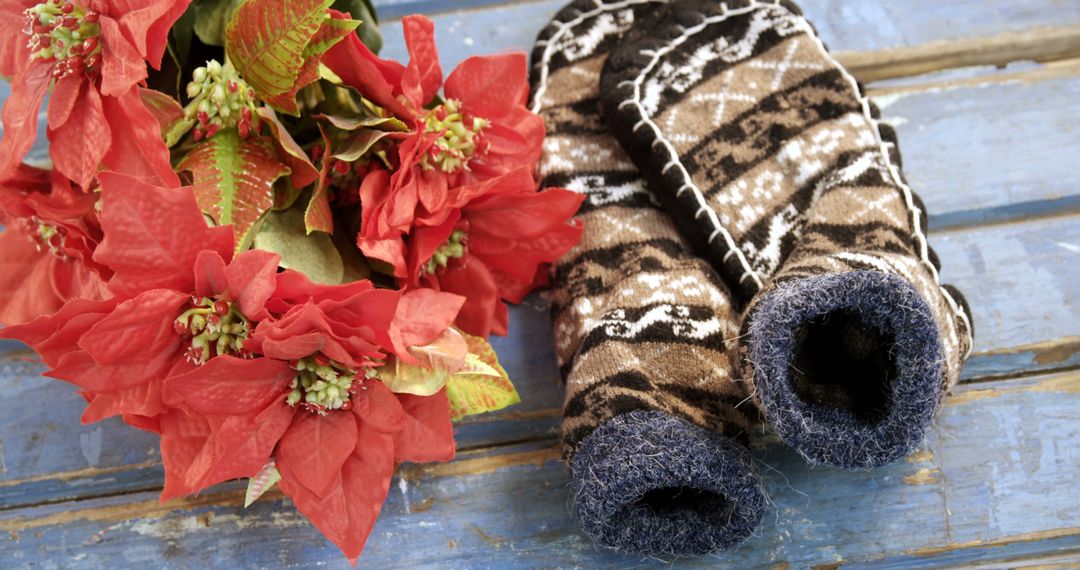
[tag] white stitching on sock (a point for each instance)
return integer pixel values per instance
(914, 210)
(561, 29)
(674, 157)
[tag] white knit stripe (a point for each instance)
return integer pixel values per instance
(563, 29)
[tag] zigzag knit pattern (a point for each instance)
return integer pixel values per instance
(772, 162)
(653, 429)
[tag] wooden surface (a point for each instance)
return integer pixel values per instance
(989, 141)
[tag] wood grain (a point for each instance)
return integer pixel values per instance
(960, 499)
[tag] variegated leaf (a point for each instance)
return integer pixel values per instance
(234, 179)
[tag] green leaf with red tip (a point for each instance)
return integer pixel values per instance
(475, 393)
(234, 180)
(262, 482)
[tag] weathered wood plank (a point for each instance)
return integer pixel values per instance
(1020, 278)
(877, 38)
(990, 484)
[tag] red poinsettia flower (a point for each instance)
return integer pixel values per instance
(178, 301)
(312, 403)
(45, 251)
(92, 53)
(480, 129)
(495, 245)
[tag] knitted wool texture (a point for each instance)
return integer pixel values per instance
(652, 430)
(772, 163)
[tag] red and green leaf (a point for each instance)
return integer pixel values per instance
(318, 216)
(303, 171)
(279, 58)
(234, 180)
(475, 393)
(169, 114)
(262, 482)
(267, 39)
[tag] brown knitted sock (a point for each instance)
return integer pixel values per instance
(771, 161)
(652, 428)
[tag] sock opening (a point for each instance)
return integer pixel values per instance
(669, 501)
(847, 366)
(649, 483)
(841, 362)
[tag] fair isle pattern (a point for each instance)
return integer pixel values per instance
(760, 143)
(640, 324)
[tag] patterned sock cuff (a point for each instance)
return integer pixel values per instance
(847, 366)
(649, 483)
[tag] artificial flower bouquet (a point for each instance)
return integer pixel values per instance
(261, 241)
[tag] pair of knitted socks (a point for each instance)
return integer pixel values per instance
(750, 247)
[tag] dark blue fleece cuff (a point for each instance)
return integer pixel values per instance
(649, 483)
(848, 366)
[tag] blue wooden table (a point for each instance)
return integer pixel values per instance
(986, 99)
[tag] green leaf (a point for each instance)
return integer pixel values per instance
(313, 255)
(234, 179)
(353, 123)
(211, 19)
(364, 11)
(262, 482)
(437, 362)
(266, 41)
(475, 393)
(359, 144)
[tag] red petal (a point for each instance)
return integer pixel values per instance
(373, 310)
(423, 76)
(424, 241)
(142, 400)
(65, 95)
(245, 444)
(146, 24)
(26, 276)
(210, 280)
(78, 146)
(490, 86)
(183, 439)
(314, 448)
(153, 235)
(229, 385)
(14, 54)
(55, 335)
(137, 148)
(252, 278)
(139, 332)
(347, 512)
(473, 280)
(357, 67)
(378, 407)
(295, 288)
(122, 65)
(20, 115)
(424, 314)
(428, 433)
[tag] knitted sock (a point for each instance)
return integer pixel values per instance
(652, 430)
(771, 161)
